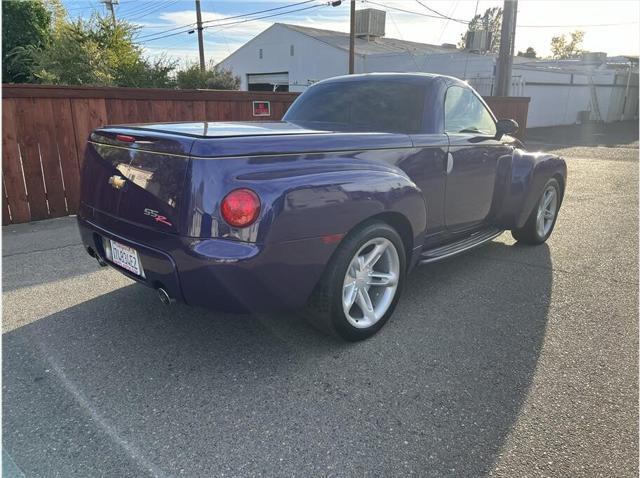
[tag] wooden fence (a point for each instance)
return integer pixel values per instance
(45, 129)
(510, 107)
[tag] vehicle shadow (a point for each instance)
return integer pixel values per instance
(186, 391)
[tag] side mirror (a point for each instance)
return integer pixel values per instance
(506, 126)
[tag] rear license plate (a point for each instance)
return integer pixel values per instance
(125, 257)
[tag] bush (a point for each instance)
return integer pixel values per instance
(82, 52)
(95, 52)
(213, 78)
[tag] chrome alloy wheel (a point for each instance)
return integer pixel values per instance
(371, 282)
(547, 211)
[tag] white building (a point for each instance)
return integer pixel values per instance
(571, 91)
(290, 57)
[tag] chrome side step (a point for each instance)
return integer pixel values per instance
(455, 248)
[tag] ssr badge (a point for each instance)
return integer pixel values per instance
(157, 216)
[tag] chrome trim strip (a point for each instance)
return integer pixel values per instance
(430, 260)
(139, 150)
(267, 155)
(273, 155)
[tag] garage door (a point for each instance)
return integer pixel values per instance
(268, 81)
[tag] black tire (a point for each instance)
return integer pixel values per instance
(325, 310)
(529, 234)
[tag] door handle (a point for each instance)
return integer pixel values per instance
(449, 162)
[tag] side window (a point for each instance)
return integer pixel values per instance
(463, 112)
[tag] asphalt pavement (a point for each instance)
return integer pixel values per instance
(506, 361)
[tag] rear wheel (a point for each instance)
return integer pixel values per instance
(542, 220)
(361, 285)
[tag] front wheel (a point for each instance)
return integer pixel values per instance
(362, 283)
(542, 219)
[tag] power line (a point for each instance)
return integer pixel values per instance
(160, 26)
(412, 53)
(519, 26)
(441, 14)
(163, 36)
(229, 18)
(153, 10)
(416, 13)
(262, 11)
(190, 25)
(311, 7)
(138, 7)
(230, 23)
(453, 11)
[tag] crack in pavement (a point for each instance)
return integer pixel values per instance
(41, 250)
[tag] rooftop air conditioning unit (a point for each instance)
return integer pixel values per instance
(370, 23)
(594, 56)
(479, 40)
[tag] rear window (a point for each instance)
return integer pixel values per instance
(383, 106)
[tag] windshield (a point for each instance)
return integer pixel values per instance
(390, 106)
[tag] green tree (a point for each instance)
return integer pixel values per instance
(563, 48)
(528, 53)
(147, 73)
(25, 25)
(95, 52)
(490, 21)
(212, 78)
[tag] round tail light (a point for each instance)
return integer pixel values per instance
(240, 208)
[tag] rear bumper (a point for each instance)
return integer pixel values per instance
(219, 274)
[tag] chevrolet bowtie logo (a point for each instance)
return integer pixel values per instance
(117, 181)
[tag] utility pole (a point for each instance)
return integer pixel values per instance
(352, 37)
(200, 36)
(507, 43)
(109, 4)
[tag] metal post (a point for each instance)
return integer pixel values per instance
(352, 36)
(200, 36)
(507, 42)
(626, 93)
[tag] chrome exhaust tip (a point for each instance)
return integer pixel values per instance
(164, 297)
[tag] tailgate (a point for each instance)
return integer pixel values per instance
(137, 176)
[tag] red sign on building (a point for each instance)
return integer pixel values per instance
(261, 108)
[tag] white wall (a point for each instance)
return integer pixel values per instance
(558, 100)
(315, 60)
(617, 98)
(312, 60)
(460, 65)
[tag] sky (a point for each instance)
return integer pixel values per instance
(612, 26)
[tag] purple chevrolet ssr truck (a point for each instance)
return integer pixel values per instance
(327, 211)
